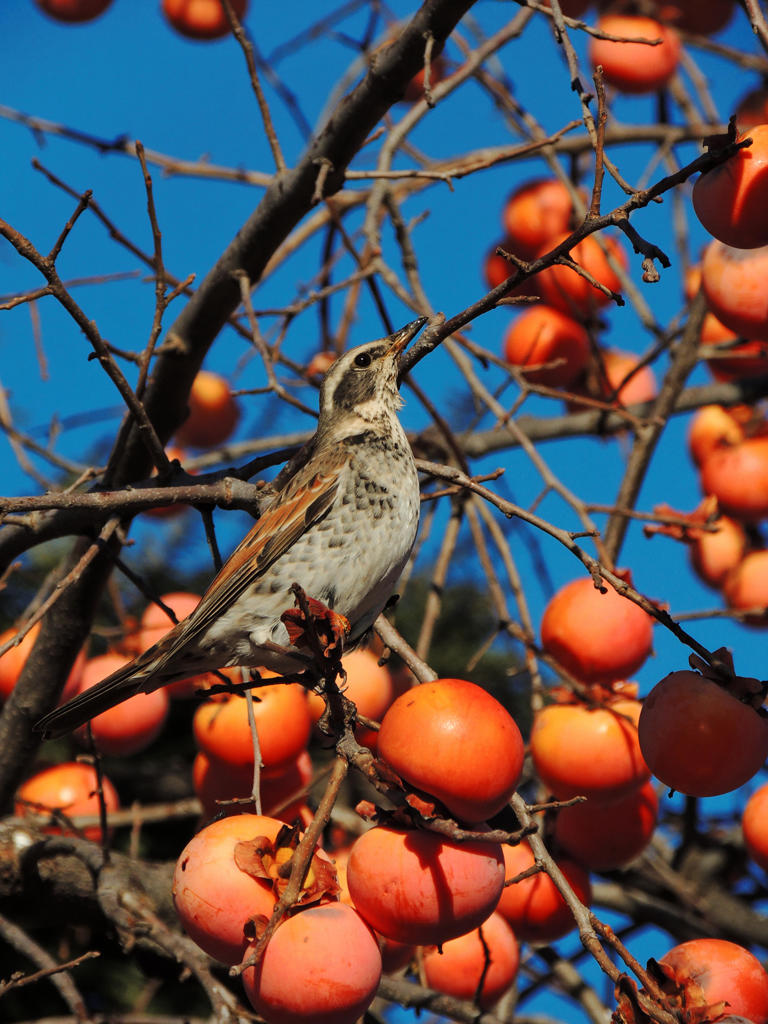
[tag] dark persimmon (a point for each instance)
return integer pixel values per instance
(73, 11)
(705, 19)
(698, 738)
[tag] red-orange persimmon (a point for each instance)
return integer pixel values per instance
(130, 726)
(71, 788)
(533, 905)
(604, 836)
(635, 67)
(544, 335)
(453, 740)
(459, 965)
(729, 200)
(588, 751)
(215, 898)
(565, 289)
(201, 19)
(754, 826)
(321, 966)
(213, 411)
(418, 887)
(725, 972)
(599, 637)
(282, 719)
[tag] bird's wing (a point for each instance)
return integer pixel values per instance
(303, 502)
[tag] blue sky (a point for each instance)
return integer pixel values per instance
(128, 73)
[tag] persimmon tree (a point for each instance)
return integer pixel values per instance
(566, 528)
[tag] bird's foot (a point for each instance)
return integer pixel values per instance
(314, 626)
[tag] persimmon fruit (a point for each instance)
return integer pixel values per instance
(213, 411)
(563, 288)
(542, 335)
(369, 685)
(715, 555)
(705, 19)
(130, 726)
(711, 427)
(754, 826)
(453, 740)
(599, 637)
(534, 214)
(623, 381)
(322, 966)
(73, 11)
(734, 284)
(588, 751)
(723, 972)
(737, 475)
(604, 836)
(729, 200)
(459, 965)
(752, 109)
(418, 887)
(283, 725)
(201, 19)
(169, 511)
(71, 788)
(533, 906)
(699, 739)
(414, 91)
(746, 586)
(14, 659)
(635, 67)
(153, 626)
(215, 780)
(214, 898)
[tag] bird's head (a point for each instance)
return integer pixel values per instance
(363, 381)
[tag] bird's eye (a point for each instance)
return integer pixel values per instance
(362, 359)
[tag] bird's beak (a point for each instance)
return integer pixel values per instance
(399, 340)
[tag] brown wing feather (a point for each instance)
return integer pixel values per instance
(303, 502)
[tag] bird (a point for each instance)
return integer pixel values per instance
(341, 525)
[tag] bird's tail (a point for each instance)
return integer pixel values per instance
(142, 675)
